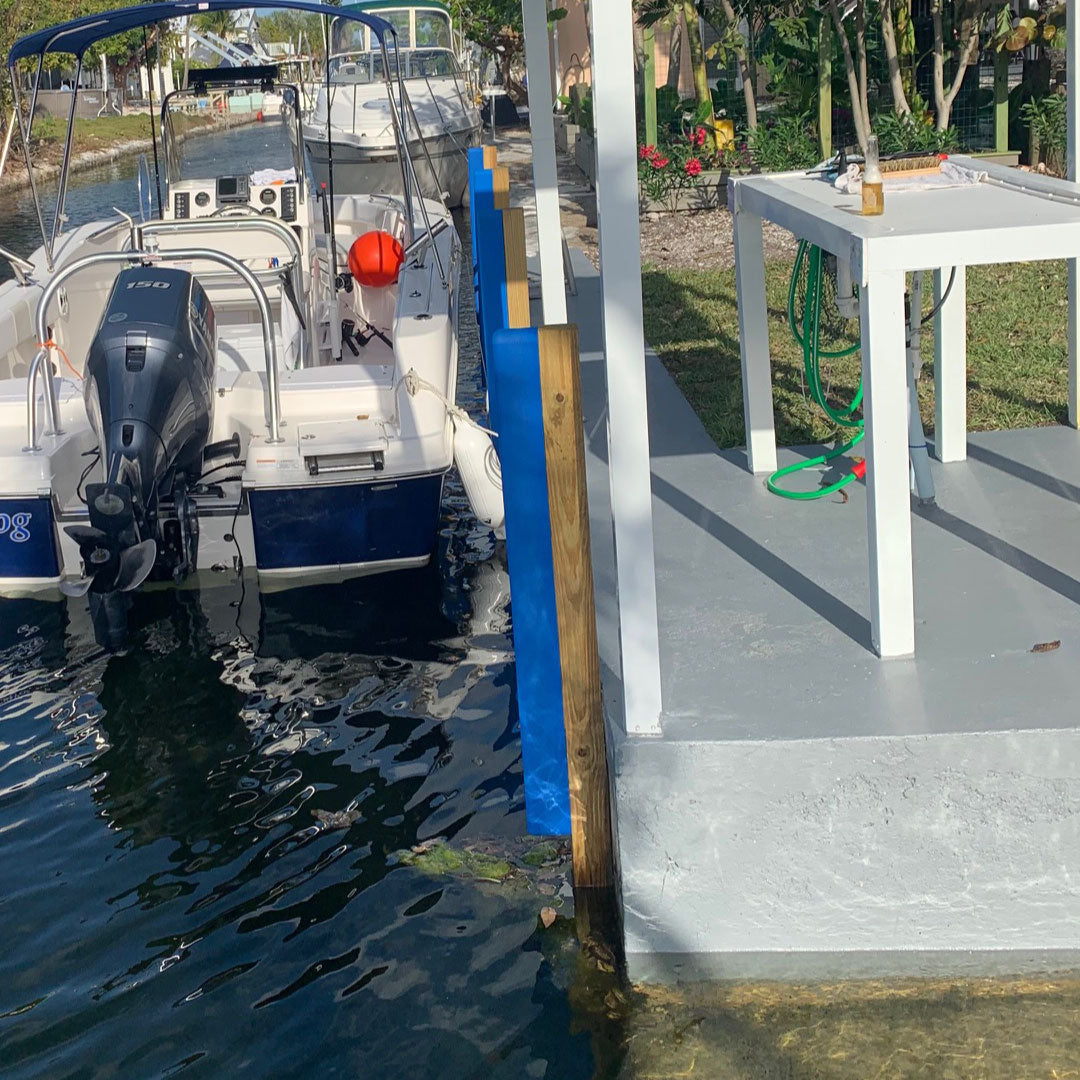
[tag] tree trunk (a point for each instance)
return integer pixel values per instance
(860, 53)
(187, 50)
(746, 73)
(862, 120)
(969, 35)
(697, 53)
(892, 56)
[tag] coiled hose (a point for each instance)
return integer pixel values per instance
(810, 343)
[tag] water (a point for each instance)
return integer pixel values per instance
(171, 904)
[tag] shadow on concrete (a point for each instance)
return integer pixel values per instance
(846, 619)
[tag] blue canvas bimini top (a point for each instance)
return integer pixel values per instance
(77, 36)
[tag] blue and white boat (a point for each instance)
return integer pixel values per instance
(252, 373)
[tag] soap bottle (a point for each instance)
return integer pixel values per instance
(873, 198)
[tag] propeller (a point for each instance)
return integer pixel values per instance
(116, 569)
(135, 565)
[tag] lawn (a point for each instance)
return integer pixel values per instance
(101, 133)
(1016, 350)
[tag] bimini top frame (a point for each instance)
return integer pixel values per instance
(78, 35)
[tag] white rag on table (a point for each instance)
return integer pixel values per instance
(950, 176)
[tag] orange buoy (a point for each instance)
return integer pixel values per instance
(375, 259)
(258, 116)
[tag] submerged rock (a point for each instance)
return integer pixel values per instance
(336, 819)
(542, 865)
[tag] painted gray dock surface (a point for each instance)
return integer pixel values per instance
(811, 810)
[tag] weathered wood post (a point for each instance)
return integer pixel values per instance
(583, 713)
(1001, 101)
(517, 272)
(490, 156)
(824, 82)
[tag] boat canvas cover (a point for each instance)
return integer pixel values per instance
(76, 36)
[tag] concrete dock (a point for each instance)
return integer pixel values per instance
(809, 809)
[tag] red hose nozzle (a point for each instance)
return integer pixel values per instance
(860, 469)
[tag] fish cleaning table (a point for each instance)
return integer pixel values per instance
(1008, 217)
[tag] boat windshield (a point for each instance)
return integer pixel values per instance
(420, 28)
(265, 120)
(366, 67)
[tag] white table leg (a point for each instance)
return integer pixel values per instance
(888, 507)
(754, 343)
(1074, 344)
(950, 366)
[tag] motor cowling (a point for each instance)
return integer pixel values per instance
(149, 394)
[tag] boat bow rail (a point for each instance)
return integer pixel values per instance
(146, 258)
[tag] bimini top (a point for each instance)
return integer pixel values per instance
(77, 36)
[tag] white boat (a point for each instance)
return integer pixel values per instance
(352, 124)
(235, 381)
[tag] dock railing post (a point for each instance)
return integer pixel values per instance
(583, 711)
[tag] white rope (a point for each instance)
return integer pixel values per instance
(414, 383)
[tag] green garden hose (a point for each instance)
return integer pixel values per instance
(810, 343)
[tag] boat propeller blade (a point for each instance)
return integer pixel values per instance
(135, 565)
(76, 588)
(86, 534)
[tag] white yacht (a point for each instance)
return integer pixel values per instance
(353, 121)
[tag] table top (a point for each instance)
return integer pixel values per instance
(1011, 216)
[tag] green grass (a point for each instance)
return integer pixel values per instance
(1016, 350)
(105, 131)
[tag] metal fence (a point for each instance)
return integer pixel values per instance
(972, 114)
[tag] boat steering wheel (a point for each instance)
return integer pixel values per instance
(236, 211)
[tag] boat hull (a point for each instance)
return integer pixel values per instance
(300, 529)
(361, 170)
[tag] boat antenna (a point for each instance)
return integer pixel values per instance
(329, 193)
(153, 132)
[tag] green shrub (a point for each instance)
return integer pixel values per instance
(782, 143)
(904, 134)
(1047, 117)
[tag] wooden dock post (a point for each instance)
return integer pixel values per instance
(517, 271)
(583, 712)
(500, 178)
(490, 156)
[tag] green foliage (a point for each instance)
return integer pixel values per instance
(907, 133)
(1047, 117)
(578, 106)
(782, 143)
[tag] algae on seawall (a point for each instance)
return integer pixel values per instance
(1006, 1028)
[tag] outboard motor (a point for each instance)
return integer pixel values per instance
(149, 393)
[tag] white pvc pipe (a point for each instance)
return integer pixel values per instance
(629, 474)
(545, 168)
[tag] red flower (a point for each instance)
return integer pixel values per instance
(646, 152)
(699, 138)
(658, 161)
(693, 167)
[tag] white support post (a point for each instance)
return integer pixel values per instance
(545, 170)
(950, 366)
(754, 342)
(1072, 45)
(888, 504)
(624, 360)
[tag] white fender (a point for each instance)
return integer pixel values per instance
(478, 465)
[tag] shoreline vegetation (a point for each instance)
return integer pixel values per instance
(98, 141)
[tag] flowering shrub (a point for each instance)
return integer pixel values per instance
(665, 171)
